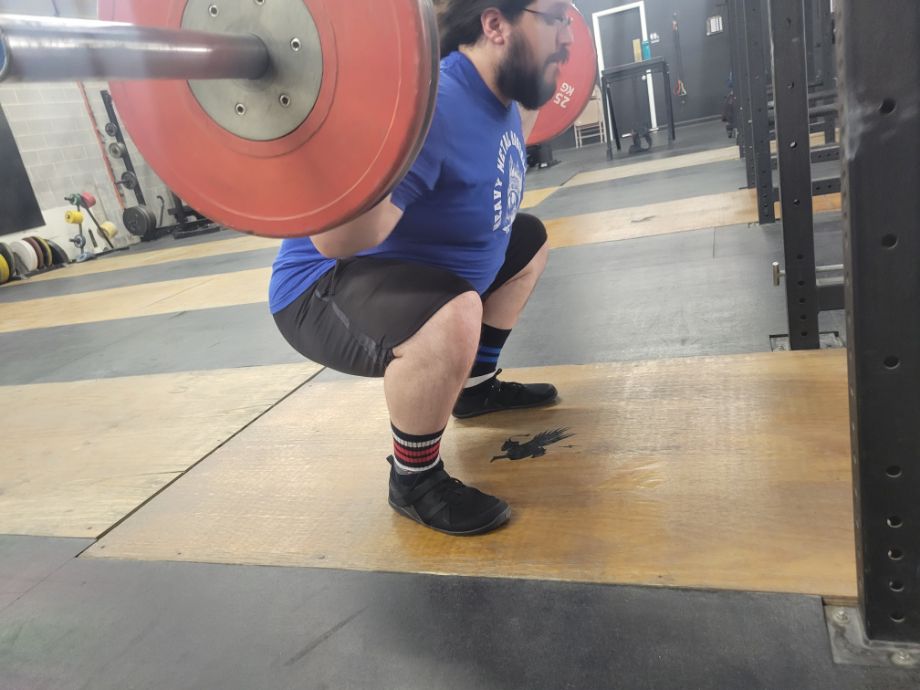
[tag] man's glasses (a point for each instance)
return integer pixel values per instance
(552, 19)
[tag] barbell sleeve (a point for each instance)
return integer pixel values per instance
(45, 49)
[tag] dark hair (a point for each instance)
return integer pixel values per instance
(460, 21)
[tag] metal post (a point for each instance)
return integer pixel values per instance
(881, 206)
(733, 54)
(811, 40)
(53, 49)
(828, 73)
(613, 133)
(736, 72)
(826, 47)
(787, 20)
(669, 100)
(754, 22)
(742, 84)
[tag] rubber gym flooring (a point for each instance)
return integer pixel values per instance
(186, 503)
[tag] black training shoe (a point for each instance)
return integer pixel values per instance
(501, 395)
(447, 505)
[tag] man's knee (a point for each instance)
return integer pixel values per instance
(541, 257)
(463, 319)
(532, 227)
(533, 233)
(450, 336)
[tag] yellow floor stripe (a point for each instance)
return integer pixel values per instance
(123, 260)
(826, 203)
(536, 197)
(78, 457)
(187, 294)
(620, 172)
(654, 166)
(234, 245)
(245, 243)
(251, 286)
(716, 472)
(815, 139)
(682, 215)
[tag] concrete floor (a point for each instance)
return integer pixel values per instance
(70, 622)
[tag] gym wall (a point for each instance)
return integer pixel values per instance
(62, 148)
(61, 154)
(706, 59)
(58, 145)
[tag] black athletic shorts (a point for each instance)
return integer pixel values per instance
(356, 313)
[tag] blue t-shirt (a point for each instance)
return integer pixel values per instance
(459, 199)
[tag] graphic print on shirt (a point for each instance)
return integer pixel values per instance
(509, 184)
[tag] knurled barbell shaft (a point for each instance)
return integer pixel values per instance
(42, 49)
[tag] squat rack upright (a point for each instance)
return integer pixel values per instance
(880, 109)
(880, 187)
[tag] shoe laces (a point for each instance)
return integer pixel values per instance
(451, 490)
(507, 387)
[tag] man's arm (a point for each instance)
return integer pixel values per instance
(528, 120)
(373, 227)
(364, 232)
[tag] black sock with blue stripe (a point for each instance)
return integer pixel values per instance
(485, 366)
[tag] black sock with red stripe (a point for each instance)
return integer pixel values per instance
(415, 455)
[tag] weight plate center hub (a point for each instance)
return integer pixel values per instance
(277, 104)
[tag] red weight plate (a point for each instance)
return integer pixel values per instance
(576, 81)
(380, 70)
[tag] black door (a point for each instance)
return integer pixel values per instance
(17, 199)
(630, 97)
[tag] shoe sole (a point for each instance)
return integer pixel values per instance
(498, 521)
(470, 415)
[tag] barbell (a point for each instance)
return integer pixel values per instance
(280, 118)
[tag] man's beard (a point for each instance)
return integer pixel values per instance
(521, 80)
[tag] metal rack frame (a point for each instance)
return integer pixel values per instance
(881, 116)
